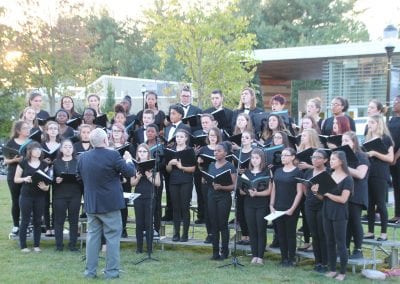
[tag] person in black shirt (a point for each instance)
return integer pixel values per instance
(83, 144)
(220, 201)
(335, 214)
(379, 175)
(67, 104)
(35, 101)
(286, 194)
(255, 205)
(20, 133)
(247, 105)
(359, 199)
(67, 196)
(151, 104)
(339, 106)
(214, 137)
(313, 212)
(145, 184)
(217, 100)
(181, 186)
(394, 127)
(32, 199)
(62, 116)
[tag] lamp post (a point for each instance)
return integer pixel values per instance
(390, 35)
(143, 90)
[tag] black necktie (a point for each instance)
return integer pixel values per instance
(173, 125)
(185, 107)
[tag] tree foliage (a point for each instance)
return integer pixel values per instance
(211, 42)
(302, 22)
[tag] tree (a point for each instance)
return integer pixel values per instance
(52, 50)
(211, 43)
(302, 22)
(110, 101)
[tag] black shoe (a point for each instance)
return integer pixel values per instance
(323, 269)
(216, 257)
(59, 248)
(380, 239)
(166, 218)
(317, 267)
(139, 251)
(232, 221)
(175, 238)
(199, 221)
(225, 254)
(73, 249)
(184, 239)
(208, 239)
(124, 233)
(83, 216)
(283, 263)
(356, 254)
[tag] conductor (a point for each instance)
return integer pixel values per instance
(100, 170)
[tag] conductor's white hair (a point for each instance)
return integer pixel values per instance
(97, 137)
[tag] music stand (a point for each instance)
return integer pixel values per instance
(235, 261)
(151, 215)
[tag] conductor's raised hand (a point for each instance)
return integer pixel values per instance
(127, 156)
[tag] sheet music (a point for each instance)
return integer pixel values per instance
(271, 217)
(131, 196)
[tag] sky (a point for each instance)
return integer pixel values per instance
(376, 16)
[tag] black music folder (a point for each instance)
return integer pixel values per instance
(245, 184)
(121, 150)
(39, 176)
(223, 178)
(69, 178)
(375, 144)
(187, 156)
(305, 155)
(74, 122)
(334, 139)
(350, 155)
(193, 120)
(284, 114)
(199, 140)
(101, 120)
(237, 138)
(273, 155)
(142, 167)
(36, 136)
(207, 158)
(325, 181)
(52, 155)
(9, 152)
(243, 164)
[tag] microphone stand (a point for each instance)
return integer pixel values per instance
(151, 215)
(235, 261)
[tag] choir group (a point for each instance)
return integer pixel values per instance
(261, 160)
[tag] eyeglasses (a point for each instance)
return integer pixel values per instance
(278, 137)
(335, 104)
(316, 157)
(116, 130)
(143, 151)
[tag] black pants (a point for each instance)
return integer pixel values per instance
(199, 192)
(181, 194)
(377, 190)
(48, 215)
(257, 227)
(143, 223)
(316, 227)
(158, 207)
(219, 208)
(31, 206)
(395, 173)
(306, 230)
(354, 226)
(240, 214)
(335, 234)
(15, 190)
(286, 229)
(168, 207)
(207, 221)
(61, 207)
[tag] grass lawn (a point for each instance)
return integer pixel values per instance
(176, 264)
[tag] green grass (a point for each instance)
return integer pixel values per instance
(176, 264)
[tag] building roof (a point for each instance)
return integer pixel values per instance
(306, 62)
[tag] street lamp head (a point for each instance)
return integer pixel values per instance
(390, 36)
(143, 89)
